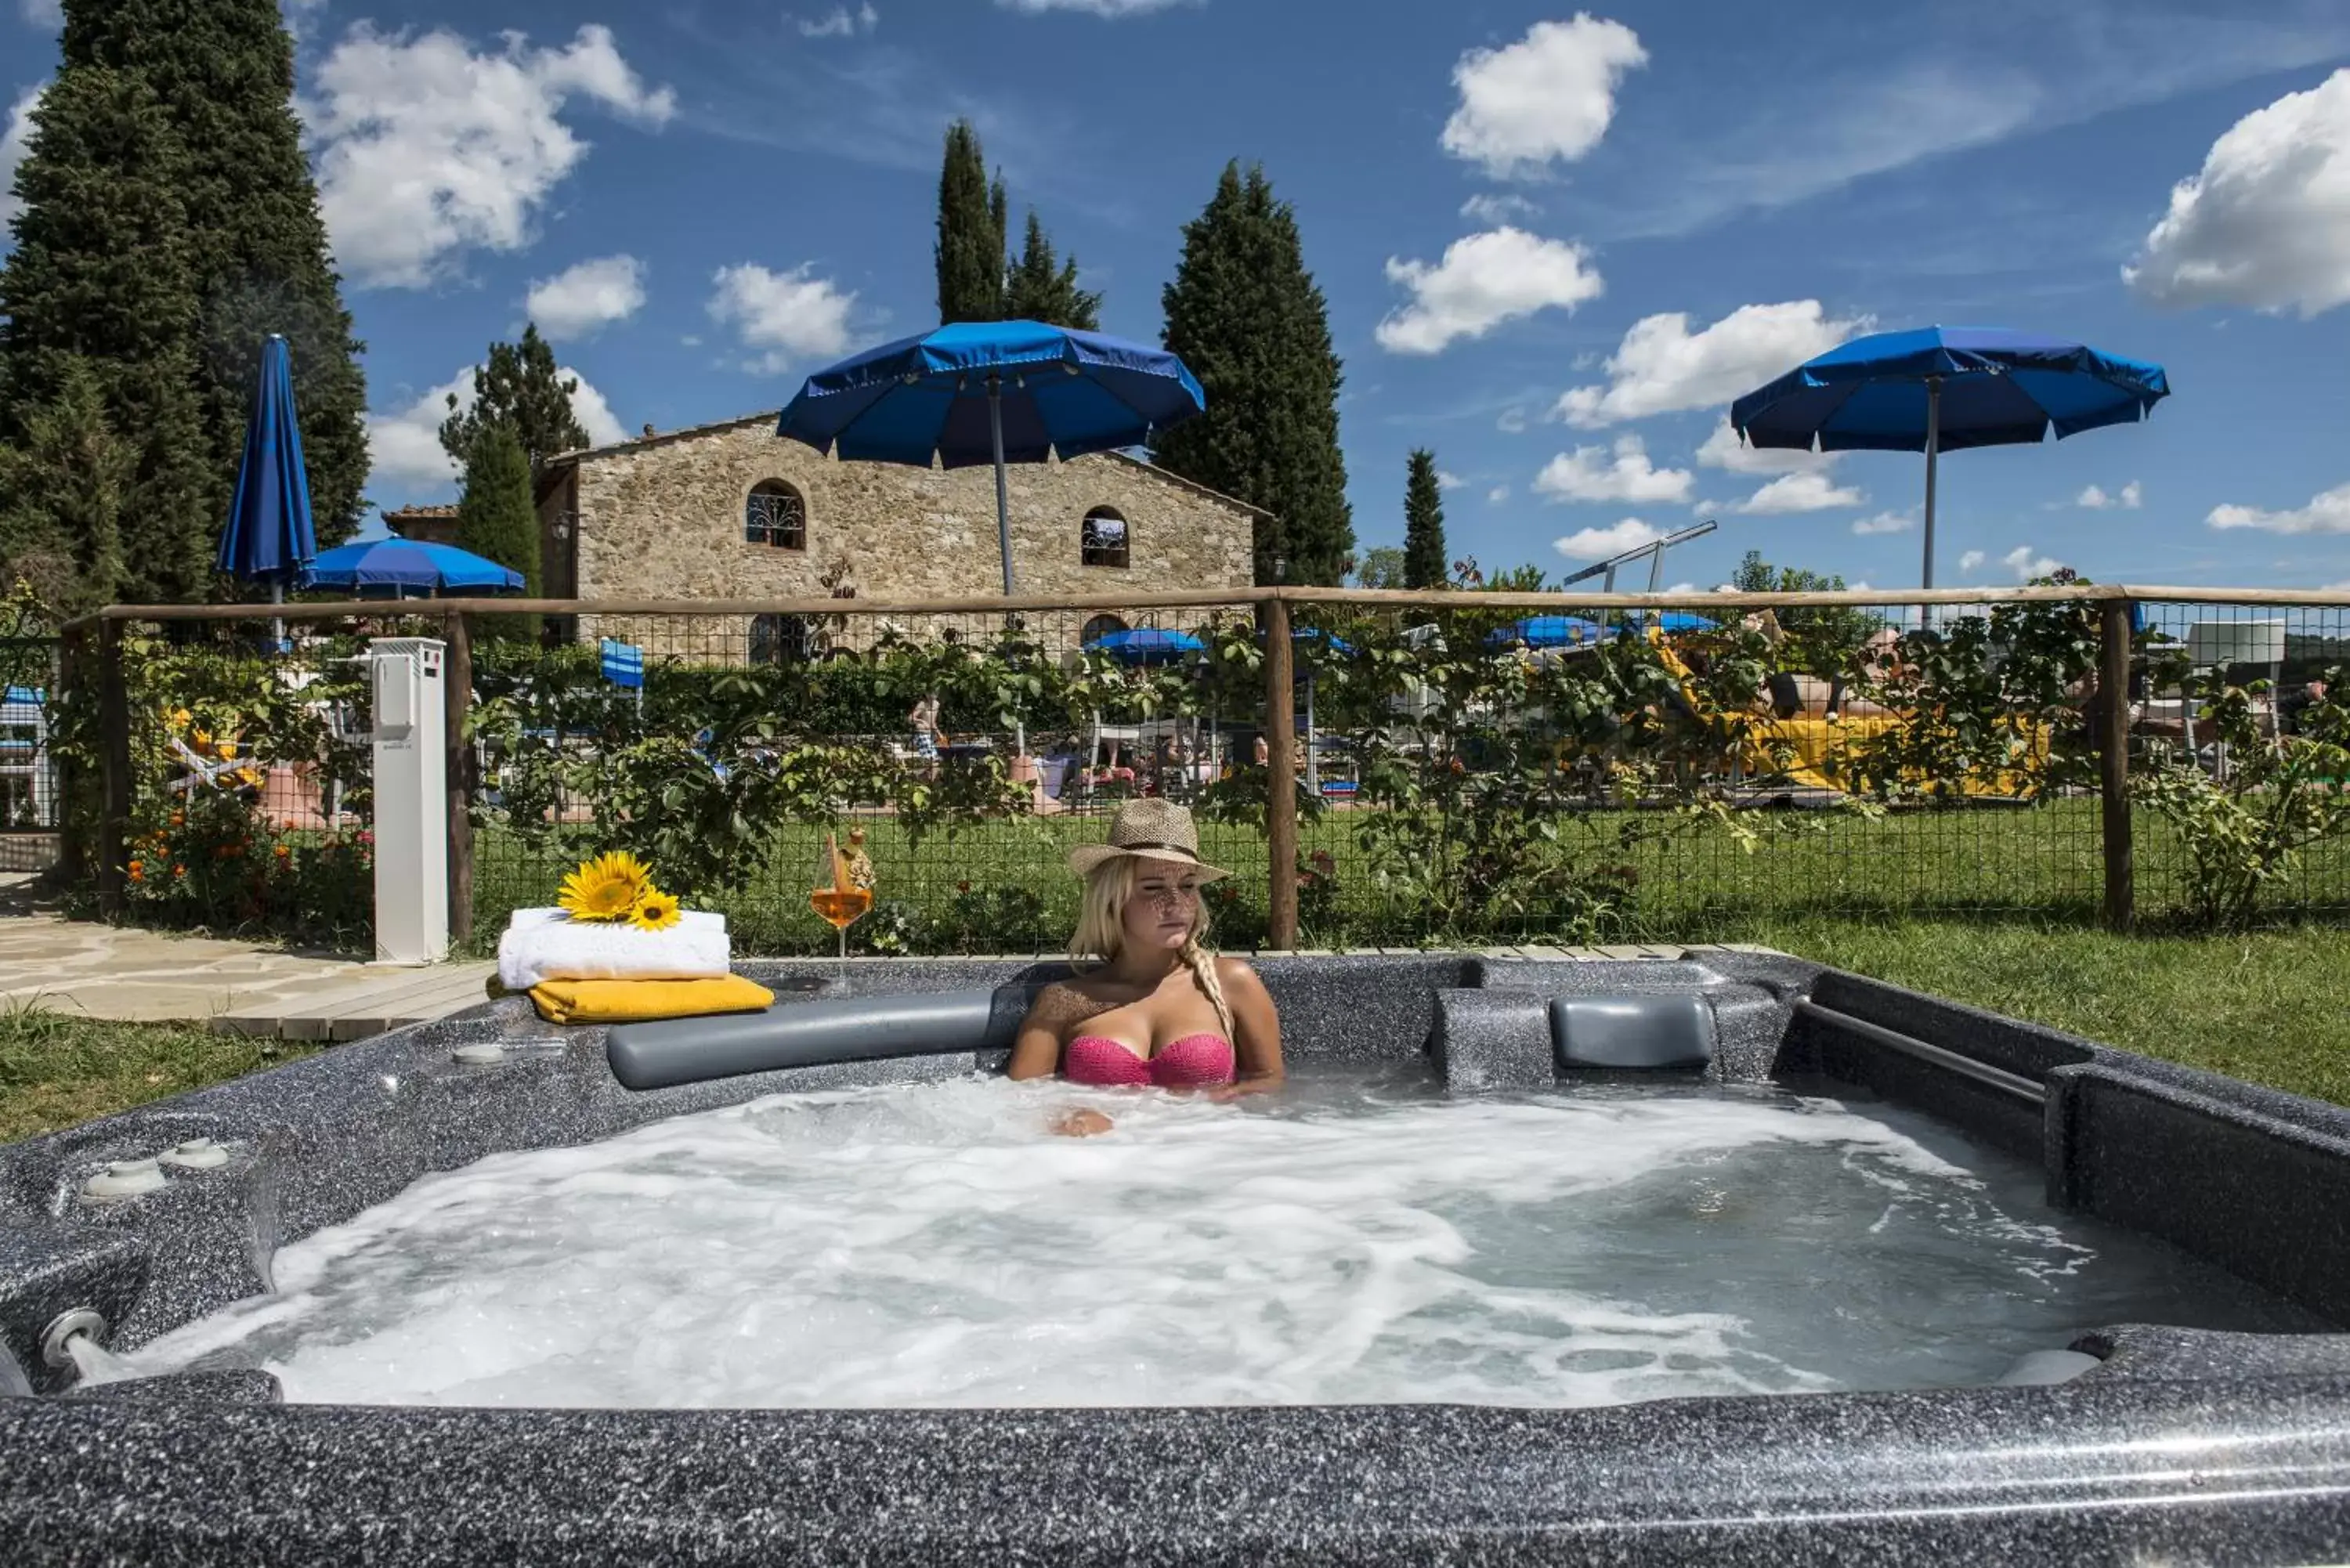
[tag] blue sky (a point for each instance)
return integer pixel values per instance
(1554, 244)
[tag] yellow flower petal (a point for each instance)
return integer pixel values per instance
(656, 912)
(604, 888)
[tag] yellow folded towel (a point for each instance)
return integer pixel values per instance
(635, 1001)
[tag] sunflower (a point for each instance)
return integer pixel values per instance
(604, 888)
(655, 910)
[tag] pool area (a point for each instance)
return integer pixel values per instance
(1731, 1258)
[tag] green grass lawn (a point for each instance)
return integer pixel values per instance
(2044, 860)
(57, 1070)
(2264, 1007)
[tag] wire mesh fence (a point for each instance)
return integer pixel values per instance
(1464, 767)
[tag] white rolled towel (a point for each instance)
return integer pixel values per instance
(547, 944)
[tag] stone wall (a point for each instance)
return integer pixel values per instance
(663, 519)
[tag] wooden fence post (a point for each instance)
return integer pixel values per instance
(114, 752)
(70, 782)
(2113, 748)
(457, 676)
(1281, 783)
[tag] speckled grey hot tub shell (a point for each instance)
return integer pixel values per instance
(2178, 1446)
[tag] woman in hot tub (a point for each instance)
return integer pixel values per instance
(1163, 1010)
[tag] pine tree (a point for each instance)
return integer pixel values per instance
(100, 286)
(223, 71)
(62, 495)
(497, 519)
(1424, 524)
(517, 386)
(969, 251)
(1042, 287)
(1247, 317)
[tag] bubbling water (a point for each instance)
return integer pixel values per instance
(1360, 1238)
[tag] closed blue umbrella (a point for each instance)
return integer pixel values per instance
(406, 565)
(270, 537)
(1943, 388)
(992, 391)
(1147, 644)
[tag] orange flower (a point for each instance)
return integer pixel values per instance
(179, 870)
(134, 867)
(178, 819)
(283, 853)
(137, 874)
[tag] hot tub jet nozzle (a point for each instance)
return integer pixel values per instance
(56, 1340)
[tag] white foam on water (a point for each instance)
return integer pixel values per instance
(935, 1245)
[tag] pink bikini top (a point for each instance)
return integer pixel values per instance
(1184, 1064)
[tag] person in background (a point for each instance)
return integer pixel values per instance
(1163, 1011)
(924, 718)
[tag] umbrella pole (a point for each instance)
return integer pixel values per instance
(1933, 452)
(277, 623)
(1002, 503)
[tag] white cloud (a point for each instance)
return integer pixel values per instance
(1548, 97)
(1972, 559)
(1486, 207)
(842, 23)
(14, 142)
(1600, 543)
(792, 315)
(1111, 9)
(1496, 496)
(43, 14)
(2266, 222)
(1484, 280)
(2327, 513)
(1722, 449)
(1800, 493)
(1511, 422)
(1447, 481)
(424, 147)
(1884, 523)
(404, 447)
(580, 299)
(1596, 474)
(2027, 565)
(1661, 366)
(2095, 498)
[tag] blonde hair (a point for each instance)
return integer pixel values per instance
(1101, 929)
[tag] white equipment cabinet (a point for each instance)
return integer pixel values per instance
(412, 800)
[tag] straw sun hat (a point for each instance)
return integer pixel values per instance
(1148, 830)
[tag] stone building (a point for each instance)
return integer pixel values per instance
(733, 511)
(425, 524)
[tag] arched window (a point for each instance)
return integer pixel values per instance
(775, 516)
(1103, 540)
(1099, 627)
(781, 639)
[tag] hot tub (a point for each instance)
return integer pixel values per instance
(1535, 1259)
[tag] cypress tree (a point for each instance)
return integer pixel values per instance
(62, 495)
(100, 288)
(496, 517)
(519, 388)
(1424, 524)
(1247, 317)
(969, 251)
(1042, 287)
(223, 71)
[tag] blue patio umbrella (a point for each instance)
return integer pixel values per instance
(405, 565)
(269, 536)
(1546, 632)
(1944, 389)
(1682, 620)
(1147, 644)
(992, 391)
